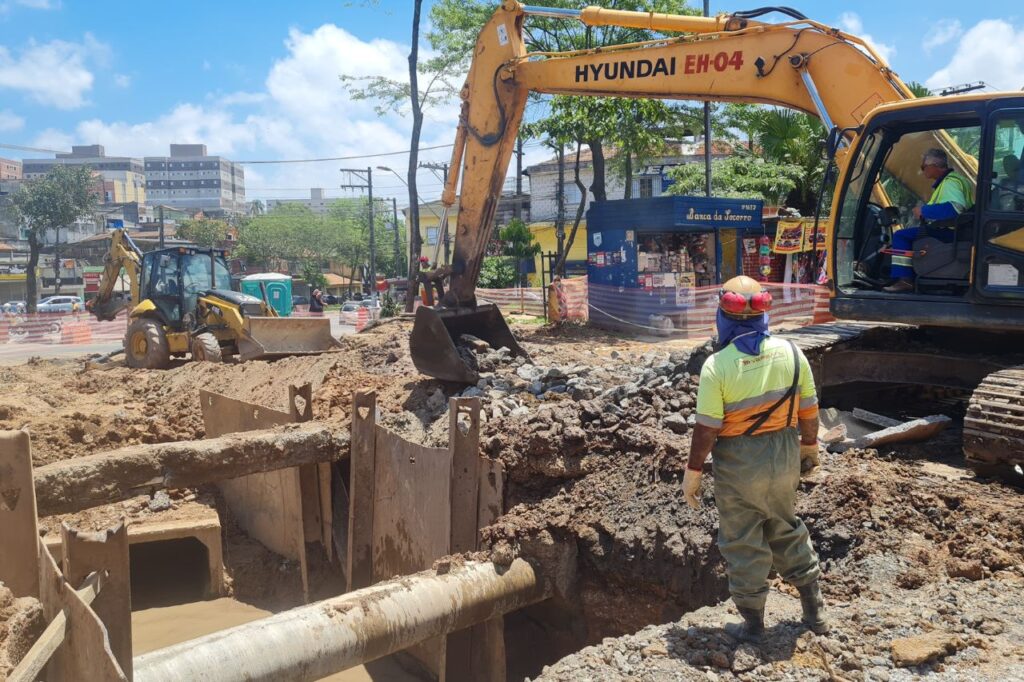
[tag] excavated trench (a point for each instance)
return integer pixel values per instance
(594, 456)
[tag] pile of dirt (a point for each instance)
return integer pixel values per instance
(907, 550)
(21, 623)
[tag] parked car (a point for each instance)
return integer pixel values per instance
(59, 304)
(300, 300)
(12, 307)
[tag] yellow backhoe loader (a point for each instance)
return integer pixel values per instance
(182, 302)
(968, 295)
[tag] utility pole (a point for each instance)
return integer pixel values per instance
(367, 184)
(443, 167)
(517, 207)
(398, 250)
(161, 207)
(707, 127)
(560, 219)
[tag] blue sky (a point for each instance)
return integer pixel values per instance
(259, 79)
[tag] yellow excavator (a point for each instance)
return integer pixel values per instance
(968, 298)
(182, 303)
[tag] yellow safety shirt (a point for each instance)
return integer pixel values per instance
(736, 388)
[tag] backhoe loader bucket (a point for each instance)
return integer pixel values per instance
(435, 333)
(278, 337)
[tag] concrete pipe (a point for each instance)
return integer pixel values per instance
(311, 642)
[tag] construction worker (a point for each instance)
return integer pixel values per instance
(952, 194)
(757, 411)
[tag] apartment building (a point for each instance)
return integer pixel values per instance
(10, 169)
(190, 179)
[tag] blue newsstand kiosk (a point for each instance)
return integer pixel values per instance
(646, 257)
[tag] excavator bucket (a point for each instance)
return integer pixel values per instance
(436, 333)
(278, 337)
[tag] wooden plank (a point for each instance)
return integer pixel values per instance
(19, 535)
(362, 465)
(105, 552)
(268, 506)
(85, 653)
(32, 664)
(83, 482)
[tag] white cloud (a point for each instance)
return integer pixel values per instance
(8, 5)
(304, 111)
(10, 121)
(56, 73)
(851, 23)
(238, 98)
(991, 51)
(942, 32)
(122, 80)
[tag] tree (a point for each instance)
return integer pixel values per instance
(741, 176)
(442, 75)
(497, 272)
(457, 23)
(204, 231)
(62, 196)
(747, 118)
(919, 89)
(257, 208)
(790, 137)
(520, 244)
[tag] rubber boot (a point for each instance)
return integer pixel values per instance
(813, 607)
(752, 627)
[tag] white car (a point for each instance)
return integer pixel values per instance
(59, 304)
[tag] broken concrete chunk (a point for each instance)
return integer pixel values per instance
(676, 423)
(529, 372)
(477, 344)
(907, 432)
(161, 501)
(911, 651)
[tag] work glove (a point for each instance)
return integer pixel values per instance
(809, 456)
(691, 487)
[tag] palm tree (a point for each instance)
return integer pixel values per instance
(791, 137)
(256, 208)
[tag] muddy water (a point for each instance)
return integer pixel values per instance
(161, 627)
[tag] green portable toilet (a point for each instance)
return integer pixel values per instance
(277, 286)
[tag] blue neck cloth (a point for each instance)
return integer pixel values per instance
(746, 334)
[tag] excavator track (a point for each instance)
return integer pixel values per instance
(994, 424)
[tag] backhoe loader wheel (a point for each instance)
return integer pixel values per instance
(145, 345)
(206, 348)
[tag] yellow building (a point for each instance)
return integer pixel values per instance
(123, 187)
(576, 263)
(430, 228)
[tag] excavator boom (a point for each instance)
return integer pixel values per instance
(798, 64)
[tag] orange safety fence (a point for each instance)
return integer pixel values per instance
(60, 328)
(522, 300)
(690, 312)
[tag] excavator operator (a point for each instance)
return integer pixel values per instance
(952, 194)
(757, 410)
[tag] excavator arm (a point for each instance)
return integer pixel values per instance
(799, 64)
(123, 253)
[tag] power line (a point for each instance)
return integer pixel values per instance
(348, 158)
(21, 148)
